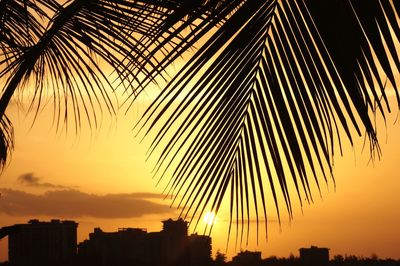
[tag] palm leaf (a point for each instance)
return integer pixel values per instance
(19, 26)
(6, 141)
(187, 23)
(278, 93)
(65, 61)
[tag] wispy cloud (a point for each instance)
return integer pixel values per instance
(145, 195)
(31, 180)
(73, 203)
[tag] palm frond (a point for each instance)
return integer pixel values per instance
(369, 32)
(278, 92)
(65, 62)
(18, 25)
(186, 24)
(6, 140)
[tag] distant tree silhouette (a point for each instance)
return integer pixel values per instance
(374, 257)
(220, 259)
(338, 258)
(275, 85)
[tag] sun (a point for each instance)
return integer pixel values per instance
(209, 218)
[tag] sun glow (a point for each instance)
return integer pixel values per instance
(209, 218)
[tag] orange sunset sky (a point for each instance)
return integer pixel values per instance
(100, 178)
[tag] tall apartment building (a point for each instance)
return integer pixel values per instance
(42, 243)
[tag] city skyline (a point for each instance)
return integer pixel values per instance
(55, 242)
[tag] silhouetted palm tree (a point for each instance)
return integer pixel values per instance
(265, 99)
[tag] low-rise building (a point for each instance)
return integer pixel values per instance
(314, 256)
(248, 258)
(133, 246)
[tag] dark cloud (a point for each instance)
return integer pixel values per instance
(29, 179)
(73, 203)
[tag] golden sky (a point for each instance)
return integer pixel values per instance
(100, 179)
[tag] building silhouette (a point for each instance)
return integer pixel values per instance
(127, 245)
(41, 243)
(314, 256)
(133, 246)
(248, 258)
